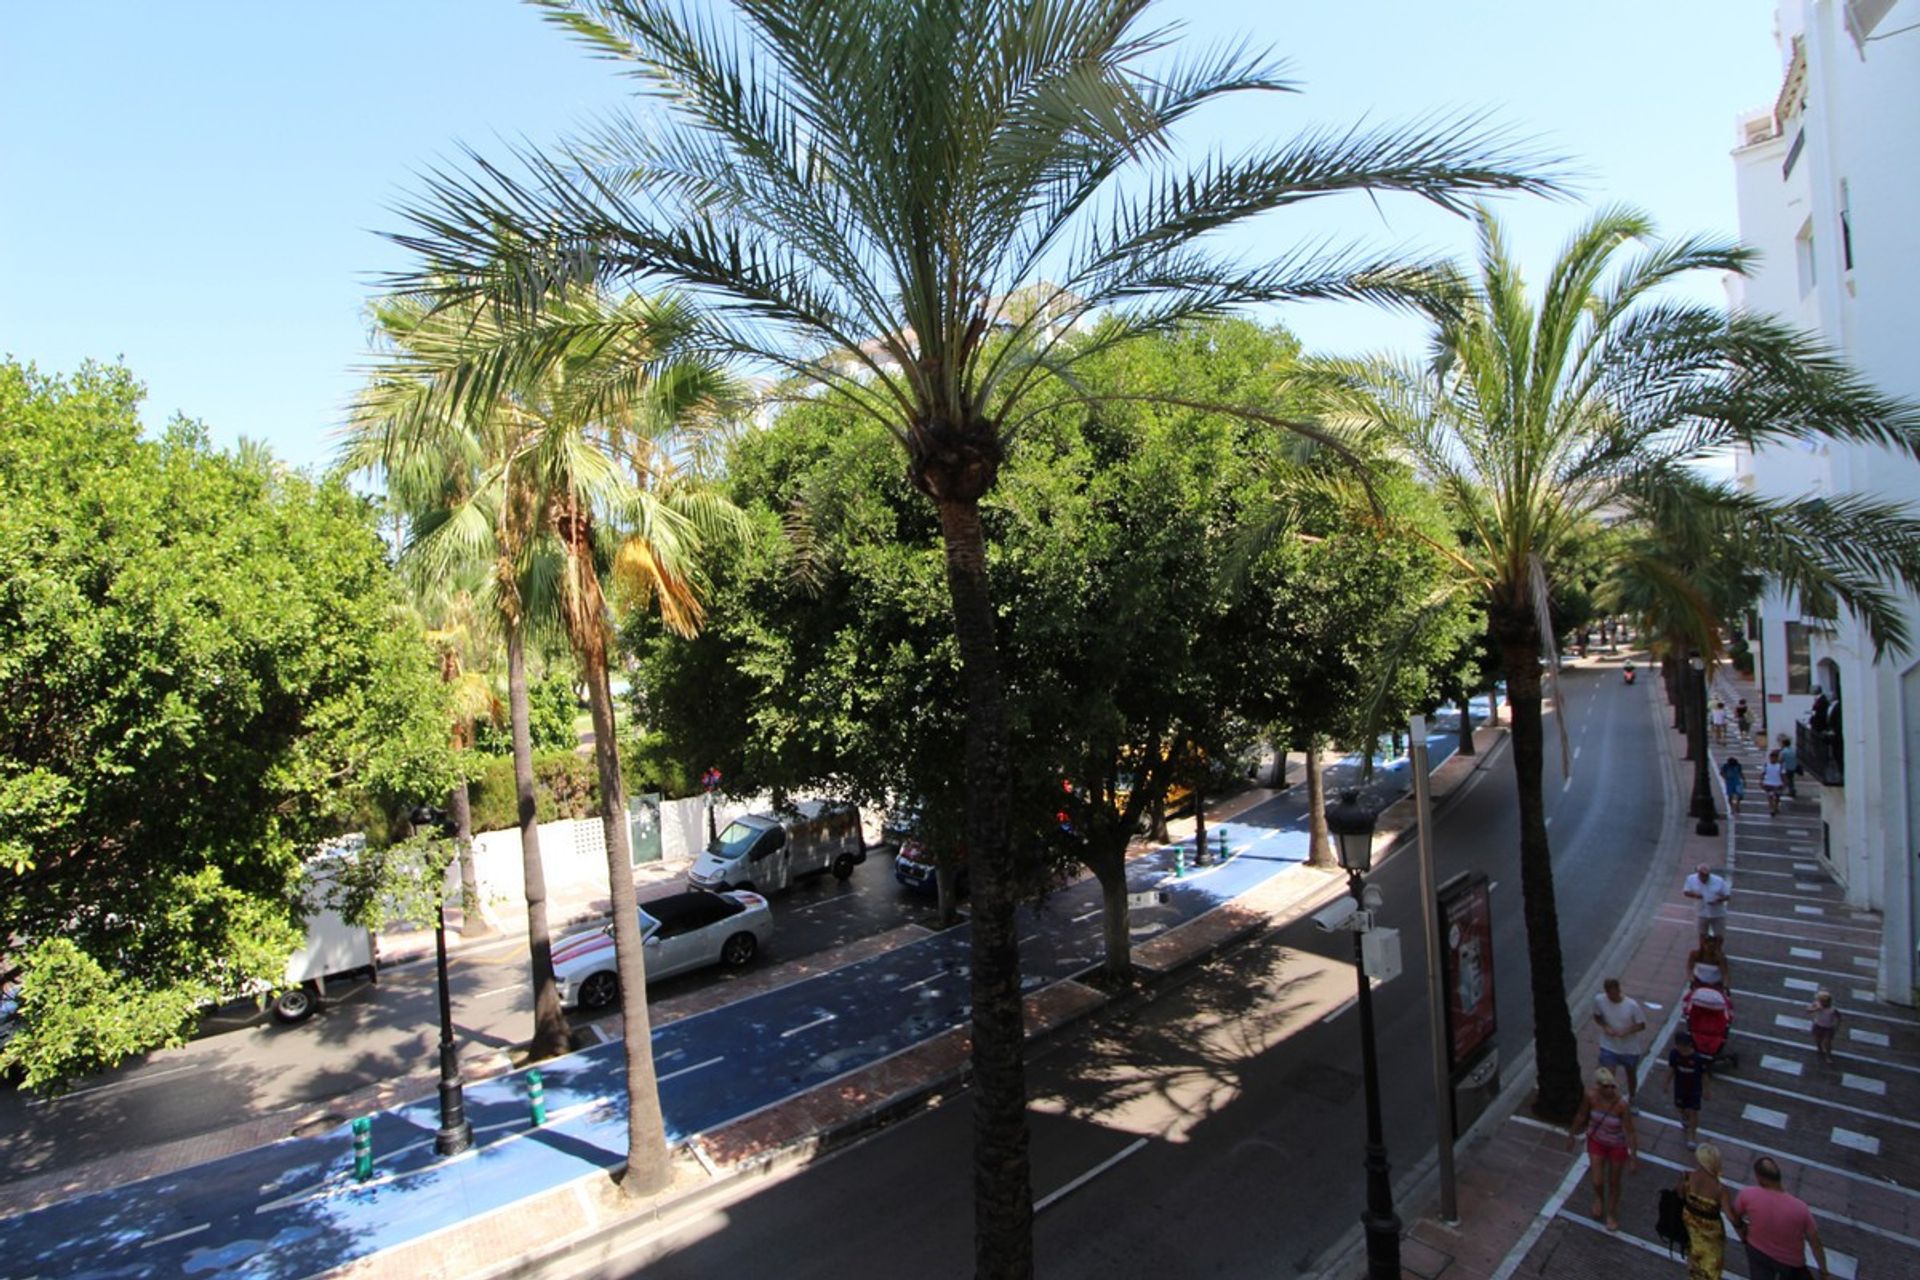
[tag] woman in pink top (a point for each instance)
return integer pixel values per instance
(1612, 1146)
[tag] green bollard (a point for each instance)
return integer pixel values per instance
(537, 1097)
(1223, 844)
(362, 1149)
(1179, 861)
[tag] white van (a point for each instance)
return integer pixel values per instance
(335, 951)
(768, 853)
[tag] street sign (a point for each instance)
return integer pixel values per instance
(1150, 898)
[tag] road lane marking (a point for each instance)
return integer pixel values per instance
(145, 1077)
(932, 977)
(1087, 915)
(698, 1066)
(1089, 1175)
(1855, 1141)
(481, 995)
(178, 1235)
(1873, 1038)
(1806, 953)
(807, 1026)
(1785, 1066)
(1765, 1115)
(1865, 1084)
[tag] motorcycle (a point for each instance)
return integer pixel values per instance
(1626, 673)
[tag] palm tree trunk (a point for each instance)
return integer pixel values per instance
(551, 1035)
(475, 920)
(1002, 1175)
(648, 1168)
(1319, 849)
(1556, 1053)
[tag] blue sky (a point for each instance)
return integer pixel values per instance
(195, 187)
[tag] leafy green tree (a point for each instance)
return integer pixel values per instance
(551, 709)
(207, 668)
(875, 192)
(1541, 412)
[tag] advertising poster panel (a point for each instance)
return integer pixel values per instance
(1466, 922)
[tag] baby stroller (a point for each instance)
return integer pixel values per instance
(1709, 1015)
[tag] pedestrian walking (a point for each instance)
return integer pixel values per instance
(1621, 1021)
(1708, 1207)
(1707, 966)
(1718, 719)
(1826, 1020)
(1687, 1071)
(1710, 892)
(1773, 781)
(1734, 775)
(1777, 1228)
(1790, 764)
(1612, 1147)
(1743, 718)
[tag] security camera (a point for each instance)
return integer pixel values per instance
(1336, 916)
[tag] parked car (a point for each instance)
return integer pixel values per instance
(916, 867)
(902, 824)
(768, 853)
(681, 932)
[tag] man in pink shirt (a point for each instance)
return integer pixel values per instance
(1777, 1228)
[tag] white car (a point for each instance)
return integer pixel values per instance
(681, 931)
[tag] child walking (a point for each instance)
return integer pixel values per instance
(1826, 1021)
(1688, 1071)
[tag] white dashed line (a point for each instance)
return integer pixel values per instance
(1805, 910)
(1792, 1024)
(1856, 1141)
(1800, 984)
(921, 982)
(1765, 1115)
(698, 1066)
(1806, 953)
(807, 1026)
(1873, 1038)
(1865, 1084)
(1785, 1066)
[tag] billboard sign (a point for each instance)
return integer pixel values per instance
(1466, 924)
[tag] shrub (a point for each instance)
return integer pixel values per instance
(563, 783)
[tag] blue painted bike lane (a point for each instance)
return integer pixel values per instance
(291, 1209)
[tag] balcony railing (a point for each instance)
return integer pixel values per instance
(1821, 754)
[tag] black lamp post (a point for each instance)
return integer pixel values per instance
(455, 1134)
(1702, 787)
(1351, 825)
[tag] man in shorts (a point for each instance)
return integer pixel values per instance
(1777, 1228)
(1621, 1022)
(1709, 891)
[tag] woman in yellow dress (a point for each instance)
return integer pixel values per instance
(1708, 1206)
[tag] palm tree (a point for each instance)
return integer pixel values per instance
(447, 464)
(1536, 416)
(460, 635)
(578, 470)
(875, 197)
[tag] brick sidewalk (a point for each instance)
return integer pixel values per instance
(1841, 1132)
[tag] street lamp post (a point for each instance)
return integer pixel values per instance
(1351, 825)
(1702, 786)
(455, 1133)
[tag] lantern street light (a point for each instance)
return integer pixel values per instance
(1351, 825)
(455, 1133)
(1702, 805)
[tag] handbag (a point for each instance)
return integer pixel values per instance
(1671, 1223)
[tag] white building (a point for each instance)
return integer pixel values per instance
(1829, 192)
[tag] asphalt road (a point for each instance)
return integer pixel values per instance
(244, 1065)
(1218, 1130)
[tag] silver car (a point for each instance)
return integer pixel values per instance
(681, 931)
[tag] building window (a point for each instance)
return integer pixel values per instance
(1799, 659)
(1846, 226)
(1803, 257)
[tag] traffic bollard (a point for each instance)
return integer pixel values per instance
(362, 1149)
(1223, 844)
(537, 1097)
(1179, 860)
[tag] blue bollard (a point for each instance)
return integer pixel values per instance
(537, 1097)
(1223, 844)
(362, 1149)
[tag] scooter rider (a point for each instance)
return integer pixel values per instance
(1626, 673)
